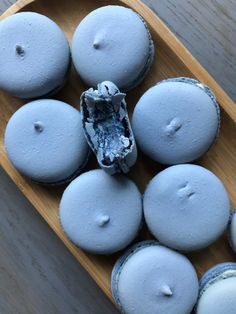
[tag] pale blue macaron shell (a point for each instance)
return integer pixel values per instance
(112, 43)
(44, 140)
(150, 278)
(176, 121)
(42, 66)
(217, 290)
(186, 207)
(101, 213)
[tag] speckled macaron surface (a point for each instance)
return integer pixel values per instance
(218, 290)
(34, 55)
(232, 230)
(176, 121)
(112, 43)
(186, 207)
(44, 140)
(101, 213)
(151, 278)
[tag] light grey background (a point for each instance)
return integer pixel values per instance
(37, 273)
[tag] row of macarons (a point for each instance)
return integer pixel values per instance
(185, 207)
(176, 121)
(35, 54)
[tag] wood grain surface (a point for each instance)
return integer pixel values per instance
(38, 275)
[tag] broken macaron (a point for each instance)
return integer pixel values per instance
(107, 127)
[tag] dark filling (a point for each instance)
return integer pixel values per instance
(107, 127)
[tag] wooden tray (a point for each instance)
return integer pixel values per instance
(172, 59)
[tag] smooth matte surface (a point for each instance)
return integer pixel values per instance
(217, 290)
(32, 65)
(219, 298)
(176, 121)
(214, 23)
(186, 207)
(103, 50)
(44, 140)
(155, 279)
(101, 213)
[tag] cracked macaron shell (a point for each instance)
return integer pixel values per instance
(107, 128)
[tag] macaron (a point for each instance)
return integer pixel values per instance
(44, 140)
(107, 128)
(232, 230)
(150, 278)
(100, 213)
(218, 290)
(186, 207)
(112, 43)
(176, 121)
(34, 55)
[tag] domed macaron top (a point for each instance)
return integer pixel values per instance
(176, 121)
(44, 140)
(112, 43)
(217, 290)
(186, 207)
(151, 278)
(34, 55)
(101, 213)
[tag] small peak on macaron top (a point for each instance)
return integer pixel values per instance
(102, 220)
(166, 291)
(107, 128)
(150, 278)
(174, 125)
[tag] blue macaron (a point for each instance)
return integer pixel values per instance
(112, 43)
(176, 121)
(34, 55)
(217, 290)
(44, 140)
(150, 278)
(100, 213)
(186, 207)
